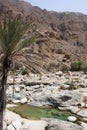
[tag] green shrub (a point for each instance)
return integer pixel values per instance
(24, 72)
(77, 66)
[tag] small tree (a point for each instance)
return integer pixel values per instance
(12, 48)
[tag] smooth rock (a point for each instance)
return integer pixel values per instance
(83, 113)
(10, 127)
(85, 105)
(59, 73)
(66, 99)
(15, 101)
(10, 117)
(83, 85)
(55, 124)
(17, 96)
(72, 118)
(17, 89)
(23, 100)
(82, 104)
(73, 109)
(84, 125)
(16, 124)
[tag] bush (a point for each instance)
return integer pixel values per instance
(77, 66)
(24, 72)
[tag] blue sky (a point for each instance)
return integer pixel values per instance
(61, 5)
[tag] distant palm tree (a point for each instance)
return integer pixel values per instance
(13, 44)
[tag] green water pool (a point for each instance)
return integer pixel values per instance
(32, 112)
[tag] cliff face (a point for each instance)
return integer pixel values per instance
(62, 36)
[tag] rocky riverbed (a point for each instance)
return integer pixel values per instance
(64, 91)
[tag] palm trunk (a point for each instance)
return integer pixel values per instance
(3, 91)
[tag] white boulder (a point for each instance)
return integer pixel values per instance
(23, 100)
(17, 89)
(16, 124)
(10, 127)
(84, 125)
(15, 101)
(72, 118)
(59, 73)
(82, 104)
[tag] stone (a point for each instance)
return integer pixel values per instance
(64, 86)
(17, 96)
(84, 125)
(83, 85)
(10, 127)
(66, 98)
(59, 73)
(55, 124)
(85, 105)
(73, 109)
(82, 104)
(33, 103)
(83, 113)
(16, 124)
(15, 101)
(17, 89)
(10, 117)
(72, 118)
(42, 98)
(23, 100)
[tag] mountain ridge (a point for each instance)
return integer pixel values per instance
(62, 36)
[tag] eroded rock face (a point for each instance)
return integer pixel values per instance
(55, 124)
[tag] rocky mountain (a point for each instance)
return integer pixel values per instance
(62, 36)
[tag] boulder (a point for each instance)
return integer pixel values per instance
(17, 89)
(10, 117)
(17, 96)
(16, 124)
(33, 103)
(55, 124)
(82, 85)
(59, 73)
(74, 109)
(10, 127)
(86, 105)
(72, 118)
(83, 113)
(66, 99)
(84, 125)
(42, 98)
(82, 104)
(23, 100)
(15, 101)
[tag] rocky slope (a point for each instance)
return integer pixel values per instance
(62, 36)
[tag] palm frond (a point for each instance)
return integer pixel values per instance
(11, 32)
(14, 42)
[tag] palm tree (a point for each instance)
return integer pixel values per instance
(13, 44)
